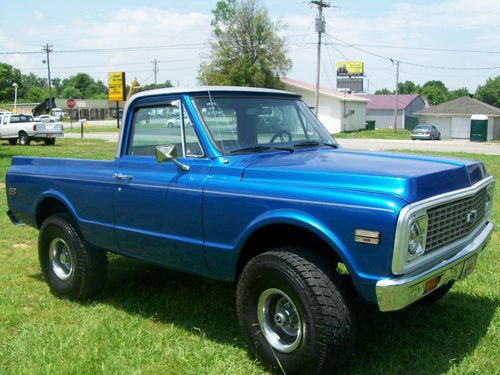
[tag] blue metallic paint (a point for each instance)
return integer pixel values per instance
(199, 221)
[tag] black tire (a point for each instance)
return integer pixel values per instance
(436, 295)
(82, 272)
(49, 141)
(13, 142)
(24, 139)
(312, 291)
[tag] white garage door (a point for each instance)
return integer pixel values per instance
(460, 127)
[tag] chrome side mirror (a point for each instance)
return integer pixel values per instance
(169, 153)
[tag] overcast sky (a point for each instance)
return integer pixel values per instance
(91, 24)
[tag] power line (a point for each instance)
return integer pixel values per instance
(346, 44)
(428, 49)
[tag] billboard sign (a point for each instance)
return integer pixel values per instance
(116, 86)
(353, 85)
(350, 68)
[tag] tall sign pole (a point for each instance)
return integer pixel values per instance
(395, 124)
(116, 91)
(46, 49)
(320, 29)
(155, 69)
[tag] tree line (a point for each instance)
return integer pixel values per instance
(437, 92)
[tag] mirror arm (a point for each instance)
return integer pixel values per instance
(181, 166)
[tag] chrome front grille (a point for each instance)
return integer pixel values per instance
(452, 221)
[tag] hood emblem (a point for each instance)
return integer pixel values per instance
(471, 216)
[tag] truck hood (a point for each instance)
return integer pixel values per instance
(410, 177)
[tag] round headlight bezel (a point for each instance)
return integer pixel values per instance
(417, 236)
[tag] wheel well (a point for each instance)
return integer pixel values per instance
(278, 235)
(48, 207)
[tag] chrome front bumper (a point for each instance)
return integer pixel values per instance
(395, 294)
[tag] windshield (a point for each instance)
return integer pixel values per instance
(250, 124)
(422, 127)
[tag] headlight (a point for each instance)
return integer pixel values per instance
(417, 237)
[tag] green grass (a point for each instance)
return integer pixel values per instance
(155, 321)
(91, 129)
(375, 134)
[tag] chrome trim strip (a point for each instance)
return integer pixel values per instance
(399, 266)
(395, 294)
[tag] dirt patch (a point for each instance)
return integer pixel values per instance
(21, 246)
(2, 185)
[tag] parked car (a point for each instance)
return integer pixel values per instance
(23, 128)
(175, 122)
(276, 214)
(423, 131)
(45, 118)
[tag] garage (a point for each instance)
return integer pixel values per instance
(453, 118)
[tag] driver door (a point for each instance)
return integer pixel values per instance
(158, 206)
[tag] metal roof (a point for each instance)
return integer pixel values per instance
(211, 89)
(462, 106)
(385, 101)
(343, 96)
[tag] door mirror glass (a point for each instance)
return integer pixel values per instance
(166, 153)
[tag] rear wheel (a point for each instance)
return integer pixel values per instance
(49, 141)
(13, 142)
(24, 140)
(71, 268)
(292, 312)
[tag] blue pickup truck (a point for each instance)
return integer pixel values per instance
(250, 188)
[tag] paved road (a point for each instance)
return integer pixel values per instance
(375, 144)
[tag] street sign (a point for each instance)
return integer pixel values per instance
(70, 103)
(116, 86)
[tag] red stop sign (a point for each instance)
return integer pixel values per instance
(70, 103)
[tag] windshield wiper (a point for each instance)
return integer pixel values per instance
(314, 143)
(260, 149)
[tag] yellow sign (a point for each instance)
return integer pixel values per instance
(116, 86)
(350, 68)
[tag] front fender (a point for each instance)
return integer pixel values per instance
(300, 219)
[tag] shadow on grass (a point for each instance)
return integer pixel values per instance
(418, 340)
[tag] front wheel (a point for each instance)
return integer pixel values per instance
(24, 140)
(71, 268)
(292, 312)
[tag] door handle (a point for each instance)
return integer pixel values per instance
(120, 176)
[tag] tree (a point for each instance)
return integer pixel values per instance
(384, 91)
(490, 92)
(247, 50)
(458, 93)
(408, 87)
(435, 91)
(8, 76)
(82, 86)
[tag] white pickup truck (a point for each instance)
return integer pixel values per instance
(14, 127)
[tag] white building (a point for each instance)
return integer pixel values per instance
(338, 111)
(453, 118)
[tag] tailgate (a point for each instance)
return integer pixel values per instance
(49, 128)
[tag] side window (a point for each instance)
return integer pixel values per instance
(165, 124)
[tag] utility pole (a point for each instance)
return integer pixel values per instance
(155, 68)
(47, 49)
(395, 125)
(320, 29)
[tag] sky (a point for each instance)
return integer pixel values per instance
(369, 31)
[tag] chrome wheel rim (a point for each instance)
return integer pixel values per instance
(61, 259)
(279, 320)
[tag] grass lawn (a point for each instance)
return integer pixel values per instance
(91, 129)
(375, 134)
(155, 321)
